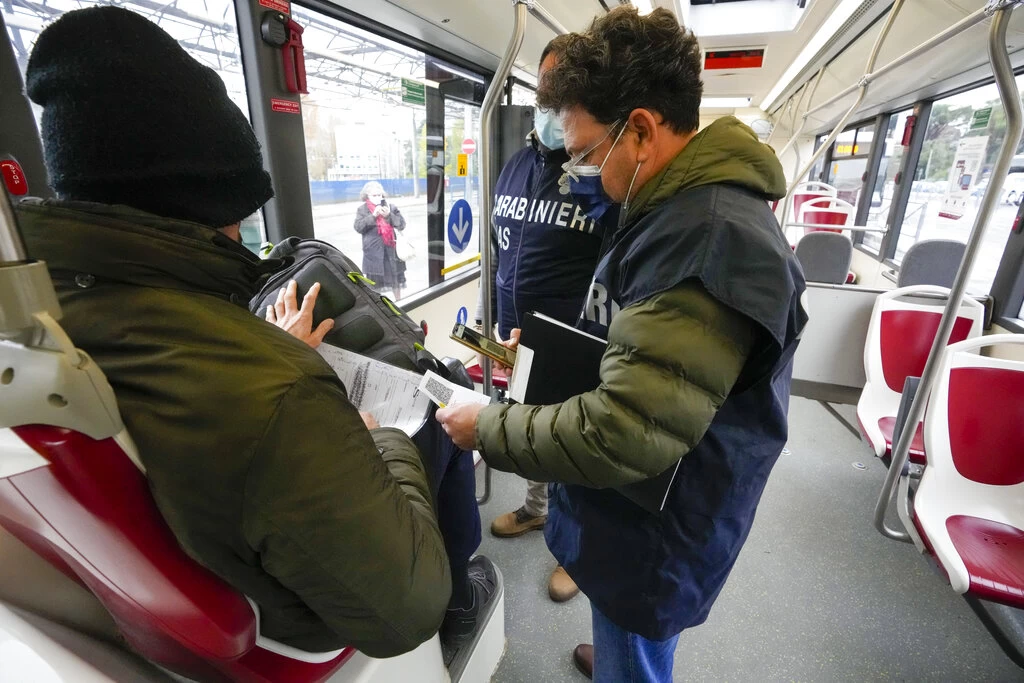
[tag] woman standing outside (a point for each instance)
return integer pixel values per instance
(377, 222)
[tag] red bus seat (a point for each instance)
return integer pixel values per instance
(87, 509)
(900, 335)
(824, 212)
(805, 192)
(967, 507)
(498, 378)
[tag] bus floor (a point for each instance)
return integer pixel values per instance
(816, 595)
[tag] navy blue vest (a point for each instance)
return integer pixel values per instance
(657, 575)
(547, 246)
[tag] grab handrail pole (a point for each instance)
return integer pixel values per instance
(12, 248)
(488, 113)
(547, 18)
(967, 22)
(803, 120)
(863, 85)
(1010, 98)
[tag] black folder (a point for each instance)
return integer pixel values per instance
(555, 362)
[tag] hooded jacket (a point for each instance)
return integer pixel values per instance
(698, 295)
(258, 462)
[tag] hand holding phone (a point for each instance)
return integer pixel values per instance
(474, 340)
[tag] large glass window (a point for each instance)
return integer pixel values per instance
(523, 95)
(962, 141)
(849, 162)
(885, 184)
(380, 112)
(205, 28)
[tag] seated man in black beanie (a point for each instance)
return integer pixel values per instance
(261, 466)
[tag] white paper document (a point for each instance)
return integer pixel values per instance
(445, 394)
(388, 393)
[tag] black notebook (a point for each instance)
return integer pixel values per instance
(555, 362)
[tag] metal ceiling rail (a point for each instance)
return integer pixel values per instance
(862, 86)
(967, 22)
(869, 76)
(1010, 98)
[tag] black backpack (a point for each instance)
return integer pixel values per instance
(365, 322)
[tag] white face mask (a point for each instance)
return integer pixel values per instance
(375, 198)
(574, 169)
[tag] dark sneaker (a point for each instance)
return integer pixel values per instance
(460, 625)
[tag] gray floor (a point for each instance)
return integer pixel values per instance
(817, 594)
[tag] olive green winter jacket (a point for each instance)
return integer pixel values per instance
(259, 463)
(672, 359)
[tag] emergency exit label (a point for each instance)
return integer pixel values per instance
(277, 5)
(462, 165)
(285, 106)
(413, 92)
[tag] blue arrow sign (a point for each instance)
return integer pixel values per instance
(462, 317)
(460, 226)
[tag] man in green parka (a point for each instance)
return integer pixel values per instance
(698, 295)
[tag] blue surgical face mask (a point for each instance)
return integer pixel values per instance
(549, 128)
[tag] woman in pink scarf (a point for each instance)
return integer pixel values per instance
(377, 221)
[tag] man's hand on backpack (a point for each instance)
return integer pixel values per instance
(298, 320)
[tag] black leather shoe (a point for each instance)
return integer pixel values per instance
(583, 658)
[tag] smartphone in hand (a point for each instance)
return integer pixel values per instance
(471, 338)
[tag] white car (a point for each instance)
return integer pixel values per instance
(1013, 189)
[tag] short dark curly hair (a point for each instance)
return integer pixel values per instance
(625, 61)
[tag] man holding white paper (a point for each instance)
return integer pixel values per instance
(698, 295)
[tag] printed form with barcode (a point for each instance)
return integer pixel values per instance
(445, 394)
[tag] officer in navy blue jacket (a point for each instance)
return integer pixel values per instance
(546, 249)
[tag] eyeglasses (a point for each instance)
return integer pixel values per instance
(575, 167)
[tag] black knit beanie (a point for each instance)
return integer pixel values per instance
(130, 118)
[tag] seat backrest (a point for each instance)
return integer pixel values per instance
(902, 330)
(974, 427)
(825, 257)
(807, 191)
(825, 211)
(84, 505)
(931, 262)
(88, 509)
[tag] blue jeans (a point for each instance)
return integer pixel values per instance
(624, 657)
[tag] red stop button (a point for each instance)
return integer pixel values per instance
(14, 177)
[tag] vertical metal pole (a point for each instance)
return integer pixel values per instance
(12, 248)
(1010, 98)
(488, 115)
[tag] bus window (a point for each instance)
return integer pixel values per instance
(523, 95)
(962, 140)
(885, 185)
(816, 174)
(849, 162)
(206, 29)
(379, 111)
(361, 126)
